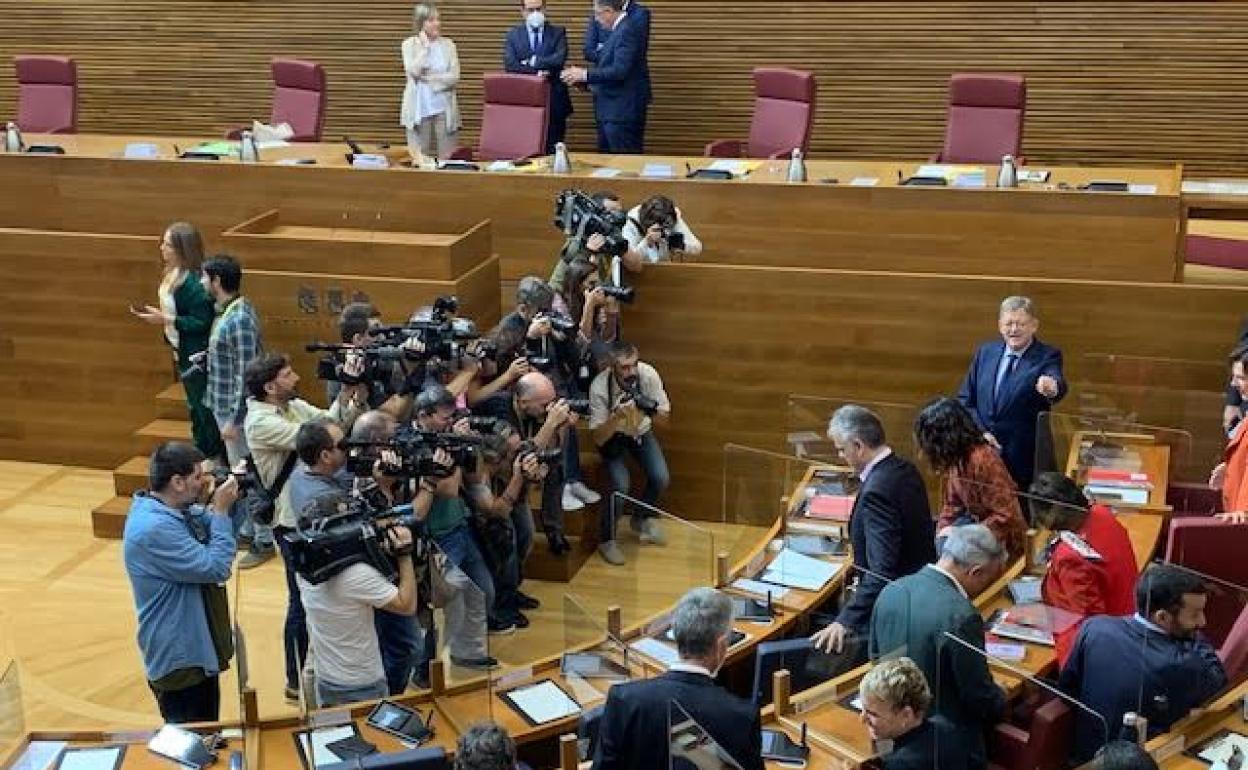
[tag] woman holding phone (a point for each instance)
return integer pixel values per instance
(186, 311)
(430, 110)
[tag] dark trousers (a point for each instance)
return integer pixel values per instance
(556, 130)
(649, 456)
(295, 632)
(621, 138)
(204, 432)
(396, 635)
(197, 703)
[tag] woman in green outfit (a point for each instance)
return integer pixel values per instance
(186, 312)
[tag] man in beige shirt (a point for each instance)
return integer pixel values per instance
(625, 403)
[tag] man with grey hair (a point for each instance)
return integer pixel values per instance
(1010, 382)
(929, 618)
(634, 731)
(485, 746)
(890, 526)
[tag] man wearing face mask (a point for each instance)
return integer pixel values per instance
(536, 47)
(634, 731)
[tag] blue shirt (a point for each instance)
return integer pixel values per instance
(167, 568)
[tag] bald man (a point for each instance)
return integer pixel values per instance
(539, 416)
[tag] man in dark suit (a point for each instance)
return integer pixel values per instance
(596, 37)
(620, 81)
(536, 47)
(929, 618)
(1154, 663)
(634, 730)
(890, 526)
(1010, 383)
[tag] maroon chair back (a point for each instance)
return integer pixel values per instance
(985, 119)
(1234, 651)
(514, 117)
(1044, 745)
(784, 111)
(299, 97)
(47, 94)
(1217, 549)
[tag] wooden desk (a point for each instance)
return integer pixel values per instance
(1154, 457)
(1225, 713)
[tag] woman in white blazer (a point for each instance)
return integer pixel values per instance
(430, 111)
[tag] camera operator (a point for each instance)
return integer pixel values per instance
(626, 402)
(547, 421)
(345, 649)
(488, 394)
(274, 415)
(656, 232)
(465, 572)
(355, 325)
(590, 248)
(555, 353)
(496, 491)
(178, 556)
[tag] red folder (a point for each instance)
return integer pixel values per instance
(830, 507)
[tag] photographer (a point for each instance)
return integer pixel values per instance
(591, 248)
(274, 415)
(464, 569)
(345, 649)
(626, 402)
(549, 423)
(178, 555)
(596, 310)
(355, 325)
(496, 491)
(656, 232)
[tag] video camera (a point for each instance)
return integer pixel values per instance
(580, 216)
(355, 534)
(415, 449)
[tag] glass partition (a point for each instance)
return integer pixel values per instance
(665, 557)
(12, 710)
(462, 627)
(1123, 464)
(690, 745)
(594, 659)
(806, 425)
(760, 488)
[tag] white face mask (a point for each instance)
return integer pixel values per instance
(535, 20)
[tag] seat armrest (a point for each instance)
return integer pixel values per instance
(1007, 746)
(724, 148)
(461, 153)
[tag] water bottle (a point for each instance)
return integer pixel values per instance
(797, 166)
(562, 164)
(1008, 175)
(12, 138)
(247, 152)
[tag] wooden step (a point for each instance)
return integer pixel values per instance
(543, 565)
(130, 476)
(109, 520)
(158, 432)
(171, 403)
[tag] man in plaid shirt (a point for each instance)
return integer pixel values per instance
(233, 343)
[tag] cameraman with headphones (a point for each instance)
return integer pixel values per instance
(657, 232)
(341, 631)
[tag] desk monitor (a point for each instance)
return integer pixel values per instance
(428, 758)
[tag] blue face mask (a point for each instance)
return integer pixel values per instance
(535, 20)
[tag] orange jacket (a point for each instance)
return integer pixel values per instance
(1235, 487)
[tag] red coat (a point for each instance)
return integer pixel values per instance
(1235, 486)
(1089, 586)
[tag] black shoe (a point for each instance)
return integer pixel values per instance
(499, 627)
(519, 620)
(420, 681)
(480, 663)
(559, 544)
(526, 602)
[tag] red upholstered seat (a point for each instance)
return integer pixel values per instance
(784, 114)
(47, 94)
(1214, 548)
(513, 118)
(299, 97)
(1216, 252)
(1234, 651)
(985, 120)
(1043, 745)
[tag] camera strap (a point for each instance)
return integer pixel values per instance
(287, 467)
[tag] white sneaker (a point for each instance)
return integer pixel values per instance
(570, 501)
(583, 493)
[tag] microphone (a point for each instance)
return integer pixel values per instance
(355, 148)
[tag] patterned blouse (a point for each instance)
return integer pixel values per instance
(982, 488)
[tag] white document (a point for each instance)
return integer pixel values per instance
(320, 739)
(934, 169)
(1220, 750)
(141, 150)
(1219, 187)
(605, 173)
(1129, 495)
(759, 589)
(864, 181)
(39, 755)
(653, 648)
(796, 570)
(500, 165)
(660, 170)
(90, 759)
(272, 144)
(1142, 189)
(734, 167)
(544, 702)
(1032, 175)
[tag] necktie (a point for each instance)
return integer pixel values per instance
(1006, 371)
(536, 41)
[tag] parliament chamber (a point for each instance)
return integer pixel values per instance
(848, 287)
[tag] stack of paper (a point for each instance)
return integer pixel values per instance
(653, 648)
(735, 167)
(657, 171)
(543, 702)
(795, 570)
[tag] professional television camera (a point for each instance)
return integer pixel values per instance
(415, 449)
(355, 533)
(580, 216)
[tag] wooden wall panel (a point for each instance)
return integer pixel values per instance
(1108, 80)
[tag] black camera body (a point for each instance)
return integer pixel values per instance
(378, 360)
(625, 294)
(248, 480)
(415, 449)
(356, 534)
(549, 456)
(578, 405)
(643, 402)
(675, 241)
(579, 216)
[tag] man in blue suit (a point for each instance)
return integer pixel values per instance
(596, 37)
(1010, 383)
(621, 79)
(535, 47)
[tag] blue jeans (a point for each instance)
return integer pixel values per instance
(571, 458)
(295, 632)
(397, 637)
(329, 694)
(649, 456)
(472, 593)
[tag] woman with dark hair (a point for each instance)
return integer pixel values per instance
(656, 231)
(186, 312)
(978, 489)
(597, 314)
